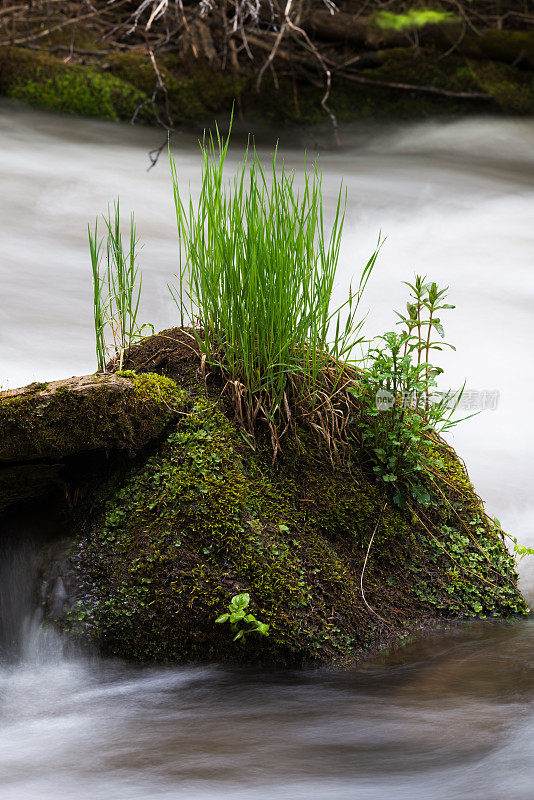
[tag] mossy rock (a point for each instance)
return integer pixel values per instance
(206, 518)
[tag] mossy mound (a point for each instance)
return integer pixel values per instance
(206, 517)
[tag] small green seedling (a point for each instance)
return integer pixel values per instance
(520, 550)
(236, 615)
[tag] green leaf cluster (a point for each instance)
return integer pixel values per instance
(400, 411)
(237, 616)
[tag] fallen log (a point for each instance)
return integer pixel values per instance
(510, 46)
(41, 425)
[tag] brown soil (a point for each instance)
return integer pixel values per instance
(173, 352)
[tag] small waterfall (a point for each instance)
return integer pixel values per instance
(24, 637)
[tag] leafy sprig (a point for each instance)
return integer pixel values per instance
(237, 616)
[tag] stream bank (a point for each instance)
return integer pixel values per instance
(313, 65)
(120, 86)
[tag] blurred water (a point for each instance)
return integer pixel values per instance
(449, 718)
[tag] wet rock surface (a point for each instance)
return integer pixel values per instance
(48, 430)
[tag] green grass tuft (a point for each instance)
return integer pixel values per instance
(258, 279)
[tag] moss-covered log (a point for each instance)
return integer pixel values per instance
(43, 424)
(509, 46)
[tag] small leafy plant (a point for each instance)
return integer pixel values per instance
(520, 550)
(237, 616)
(401, 410)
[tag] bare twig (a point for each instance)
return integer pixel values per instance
(276, 45)
(409, 87)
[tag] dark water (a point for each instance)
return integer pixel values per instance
(452, 717)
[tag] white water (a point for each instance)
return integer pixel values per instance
(455, 719)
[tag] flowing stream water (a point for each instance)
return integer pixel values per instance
(451, 717)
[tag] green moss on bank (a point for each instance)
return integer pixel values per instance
(512, 47)
(47, 82)
(205, 518)
(512, 89)
(191, 97)
(117, 85)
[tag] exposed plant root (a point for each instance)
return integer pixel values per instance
(371, 609)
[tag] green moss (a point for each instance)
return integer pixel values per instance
(511, 88)
(191, 97)
(205, 518)
(54, 422)
(514, 47)
(36, 387)
(474, 575)
(350, 100)
(414, 18)
(48, 82)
